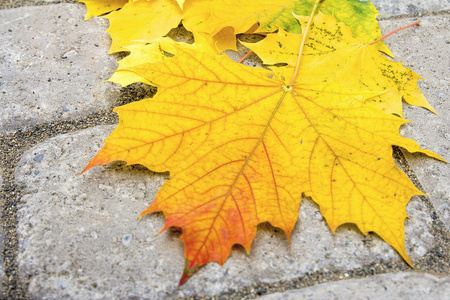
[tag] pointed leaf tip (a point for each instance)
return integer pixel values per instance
(188, 271)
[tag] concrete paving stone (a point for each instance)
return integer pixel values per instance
(51, 65)
(402, 7)
(79, 237)
(379, 287)
(425, 49)
(2, 271)
(2, 239)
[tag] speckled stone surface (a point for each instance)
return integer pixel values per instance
(401, 7)
(52, 62)
(380, 287)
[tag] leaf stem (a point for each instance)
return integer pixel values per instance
(404, 27)
(245, 56)
(305, 34)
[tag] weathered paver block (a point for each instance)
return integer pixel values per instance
(79, 237)
(401, 7)
(51, 65)
(380, 287)
(2, 240)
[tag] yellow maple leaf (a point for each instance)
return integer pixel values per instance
(243, 146)
(217, 22)
(141, 22)
(141, 54)
(99, 7)
(180, 3)
(344, 59)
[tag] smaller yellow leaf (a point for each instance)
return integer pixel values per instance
(142, 22)
(99, 7)
(218, 21)
(139, 55)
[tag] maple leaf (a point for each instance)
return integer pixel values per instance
(180, 3)
(99, 7)
(344, 59)
(218, 21)
(243, 145)
(141, 22)
(141, 54)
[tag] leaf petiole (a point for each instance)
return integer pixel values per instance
(404, 27)
(245, 56)
(305, 34)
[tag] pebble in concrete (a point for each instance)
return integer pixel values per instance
(51, 65)
(79, 237)
(400, 7)
(424, 49)
(380, 287)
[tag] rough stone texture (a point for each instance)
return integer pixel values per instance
(2, 240)
(51, 65)
(401, 7)
(425, 49)
(380, 287)
(79, 238)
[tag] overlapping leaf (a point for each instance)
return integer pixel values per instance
(100, 7)
(216, 22)
(141, 22)
(243, 147)
(141, 54)
(220, 20)
(344, 59)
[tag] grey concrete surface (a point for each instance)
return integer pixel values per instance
(380, 287)
(2, 272)
(401, 7)
(78, 237)
(51, 64)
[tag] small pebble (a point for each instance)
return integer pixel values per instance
(126, 239)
